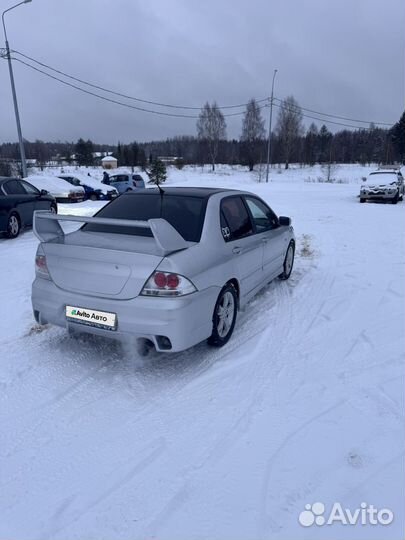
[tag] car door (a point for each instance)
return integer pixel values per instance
(241, 244)
(272, 236)
(39, 202)
(24, 203)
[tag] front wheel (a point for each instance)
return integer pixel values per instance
(288, 262)
(362, 200)
(395, 199)
(224, 317)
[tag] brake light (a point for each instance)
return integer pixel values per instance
(167, 284)
(41, 267)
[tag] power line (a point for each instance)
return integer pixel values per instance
(338, 117)
(119, 94)
(110, 100)
(290, 109)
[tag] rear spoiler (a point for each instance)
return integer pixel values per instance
(46, 228)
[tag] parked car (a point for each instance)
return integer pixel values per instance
(126, 182)
(383, 185)
(18, 201)
(168, 268)
(60, 189)
(94, 189)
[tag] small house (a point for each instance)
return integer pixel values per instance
(109, 162)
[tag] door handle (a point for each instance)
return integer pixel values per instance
(237, 250)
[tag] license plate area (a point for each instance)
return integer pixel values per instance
(92, 317)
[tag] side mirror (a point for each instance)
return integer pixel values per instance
(43, 192)
(284, 221)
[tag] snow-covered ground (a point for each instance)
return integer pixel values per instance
(305, 404)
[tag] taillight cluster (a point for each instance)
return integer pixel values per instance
(40, 266)
(167, 284)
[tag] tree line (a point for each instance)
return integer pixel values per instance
(291, 143)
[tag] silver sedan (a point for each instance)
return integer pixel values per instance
(169, 268)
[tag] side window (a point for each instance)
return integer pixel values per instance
(235, 220)
(14, 187)
(264, 218)
(31, 190)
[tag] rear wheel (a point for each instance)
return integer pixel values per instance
(288, 261)
(224, 317)
(93, 197)
(362, 200)
(53, 209)
(13, 226)
(129, 189)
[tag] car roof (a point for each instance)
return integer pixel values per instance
(200, 192)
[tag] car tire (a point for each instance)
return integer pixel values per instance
(129, 189)
(362, 200)
(93, 197)
(53, 209)
(13, 226)
(224, 316)
(395, 199)
(288, 261)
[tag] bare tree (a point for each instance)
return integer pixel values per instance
(211, 129)
(289, 126)
(252, 133)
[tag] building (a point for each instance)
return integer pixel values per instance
(109, 162)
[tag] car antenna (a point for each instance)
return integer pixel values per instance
(162, 192)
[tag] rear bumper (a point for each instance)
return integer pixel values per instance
(183, 321)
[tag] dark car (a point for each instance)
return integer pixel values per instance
(18, 201)
(94, 189)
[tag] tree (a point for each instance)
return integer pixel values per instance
(252, 133)
(157, 172)
(398, 137)
(325, 141)
(84, 152)
(142, 159)
(211, 128)
(310, 145)
(289, 126)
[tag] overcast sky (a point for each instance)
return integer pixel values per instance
(343, 57)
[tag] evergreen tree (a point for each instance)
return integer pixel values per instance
(84, 152)
(398, 138)
(325, 138)
(157, 172)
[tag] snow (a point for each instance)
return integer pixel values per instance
(55, 186)
(305, 403)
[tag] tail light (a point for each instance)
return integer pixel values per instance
(167, 284)
(41, 269)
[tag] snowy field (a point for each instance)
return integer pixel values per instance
(305, 404)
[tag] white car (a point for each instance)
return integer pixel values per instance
(60, 189)
(385, 184)
(94, 189)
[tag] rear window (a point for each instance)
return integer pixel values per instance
(184, 213)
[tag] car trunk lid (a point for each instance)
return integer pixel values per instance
(82, 266)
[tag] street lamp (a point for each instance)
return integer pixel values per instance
(10, 68)
(271, 115)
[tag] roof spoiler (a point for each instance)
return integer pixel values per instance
(47, 228)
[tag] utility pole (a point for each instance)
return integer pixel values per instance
(17, 115)
(270, 119)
